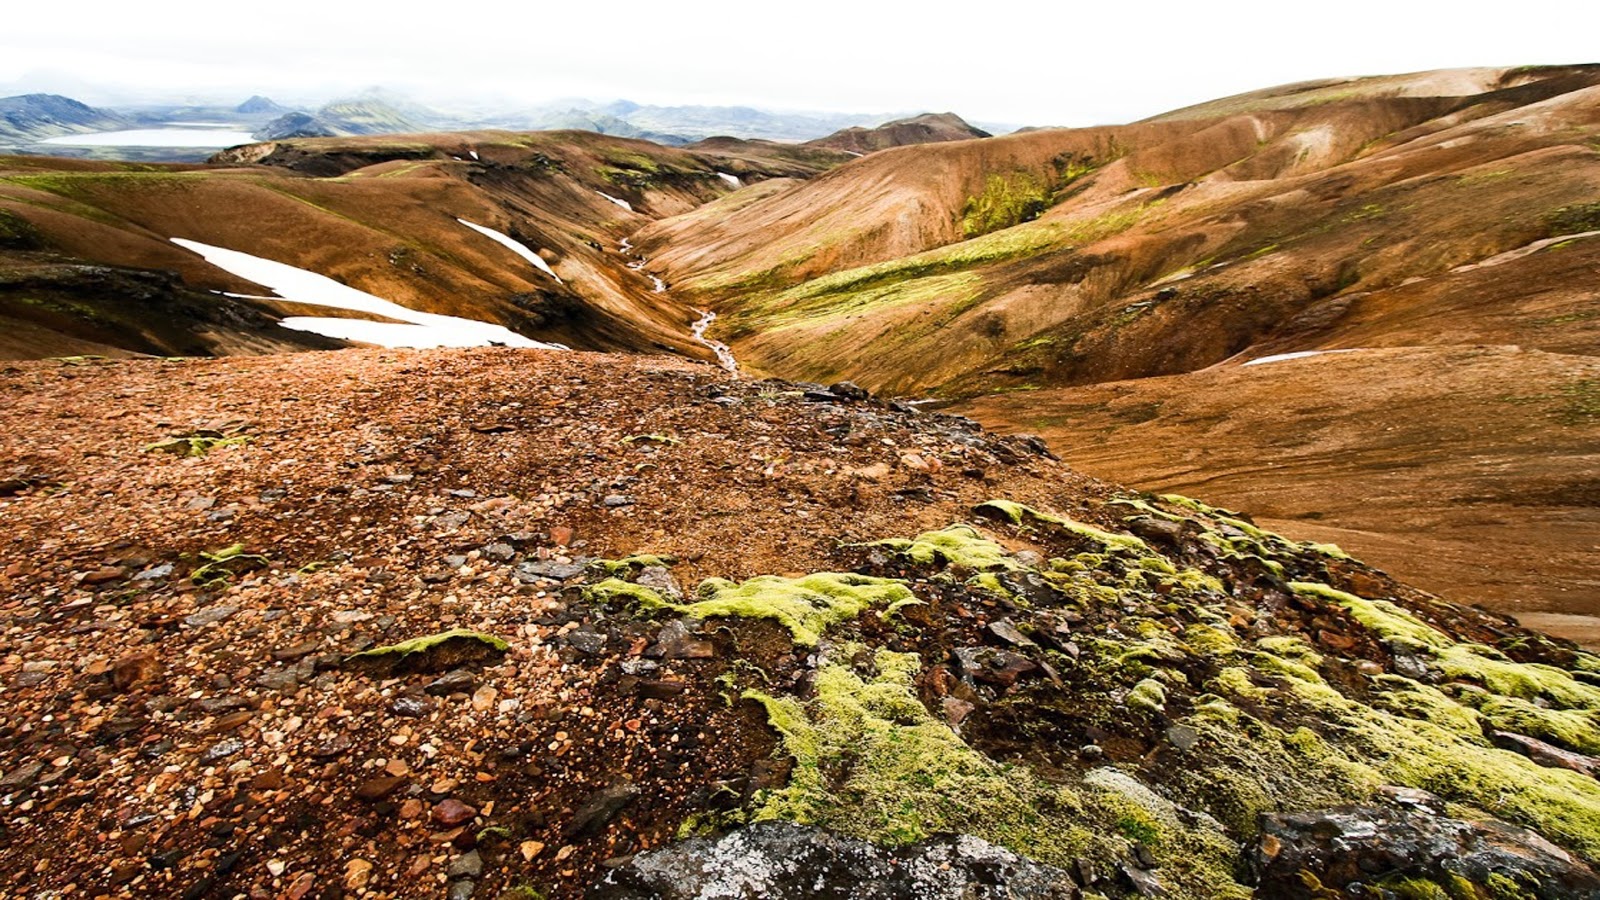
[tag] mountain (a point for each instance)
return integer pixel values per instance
(927, 128)
(695, 122)
(33, 117)
(258, 105)
(341, 119)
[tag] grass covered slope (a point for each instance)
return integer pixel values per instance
(501, 617)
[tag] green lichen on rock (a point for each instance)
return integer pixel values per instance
(957, 545)
(443, 650)
(806, 606)
(1248, 538)
(198, 444)
(635, 561)
(1149, 696)
(1019, 514)
(221, 566)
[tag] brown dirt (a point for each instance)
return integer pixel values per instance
(206, 739)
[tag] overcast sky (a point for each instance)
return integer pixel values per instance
(991, 60)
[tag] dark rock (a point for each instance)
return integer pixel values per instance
(1546, 754)
(785, 861)
(1183, 737)
(451, 812)
(499, 552)
(660, 580)
(130, 671)
(849, 390)
(675, 642)
(1156, 531)
(374, 789)
(661, 690)
(221, 750)
(614, 501)
(992, 666)
(601, 807)
(1141, 882)
(458, 681)
(1347, 845)
(586, 641)
(461, 890)
(1007, 632)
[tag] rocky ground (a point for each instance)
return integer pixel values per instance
(505, 623)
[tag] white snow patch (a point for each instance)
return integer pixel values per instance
(412, 328)
(618, 201)
(515, 247)
(1301, 354)
(474, 153)
(731, 179)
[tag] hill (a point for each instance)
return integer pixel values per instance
(1446, 214)
(33, 117)
(492, 621)
(927, 128)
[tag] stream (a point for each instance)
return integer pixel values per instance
(725, 357)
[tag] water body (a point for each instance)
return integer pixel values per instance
(723, 351)
(515, 247)
(412, 328)
(156, 137)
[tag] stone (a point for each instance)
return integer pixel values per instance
(374, 789)
(615, 501)
(595, 813)
(786, 861)
(1546, 754)
(461, 890)
(534, 570)
(1409, 833)
(357, 872)
(1183, 737)
(469, 864)
(105, 575)
(154, 573)
(993, 666)
(660, 580)
(133, 670)
(675, 642)
(451, 812)
(456, 681)
(586, 641)
(209, 615)
(411, 707)
(1006, 631)
(500, 552)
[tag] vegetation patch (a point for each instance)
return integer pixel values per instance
(1575, 219)
(1006, 200)
(222, 566)
(435, 652)
(198, 443)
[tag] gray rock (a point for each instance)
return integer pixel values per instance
(500, 552)
(222, 750)
(209, 615)
(154, 573)
(586, 641)
(614, 501)
(785, 861)
(534, 570)
(660, 580)
(461, 890)
(469, 864)
(601, 807)
(1345, 845)
(675, 642)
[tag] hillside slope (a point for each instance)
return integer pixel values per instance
(412, 623)
(928, 128)
(1436, 212)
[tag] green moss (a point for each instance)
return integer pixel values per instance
(1018, 514)
(1574, 729)
(636, 561)
(1574, 219)
(456, 640)
(1148, 695)
(806, 606)
(1006, 200)
(957, 545)
(198, 444)
(223, 565)
(872, 763)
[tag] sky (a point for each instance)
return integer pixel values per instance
(988, 60)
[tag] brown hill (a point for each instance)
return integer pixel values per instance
(379, 214)
(928, 128)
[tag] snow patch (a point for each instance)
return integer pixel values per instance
(514, 247)
(1300, 354)
(731, 179)
(618, 201)
(411, 328)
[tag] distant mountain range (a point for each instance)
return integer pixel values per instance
(29, 119)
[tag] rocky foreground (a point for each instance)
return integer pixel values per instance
(509, 624)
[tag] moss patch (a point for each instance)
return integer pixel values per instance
(434, 652)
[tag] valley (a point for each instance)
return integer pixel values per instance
(1202, 507)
